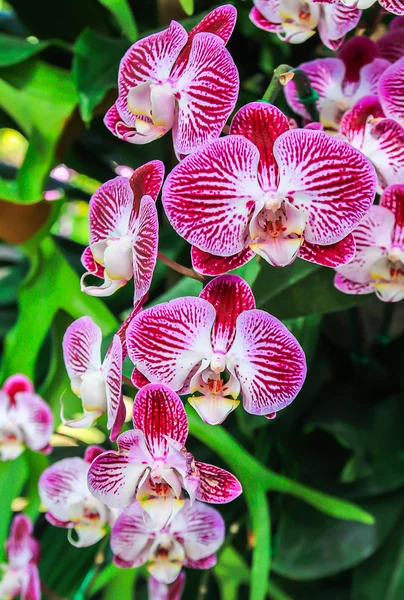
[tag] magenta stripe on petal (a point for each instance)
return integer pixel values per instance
(353, 123)
(82, 346)
(147, 181)
(391, 87)
(34, 417)
(145, 230)
(217, 486)
(260, 21)
(200, 528)
(211, 265)
(88, 262)
(333, 255)
(351, 287)
(110, 206)
(393, 6)
(112, 368)
(384, 145)
(393, 199)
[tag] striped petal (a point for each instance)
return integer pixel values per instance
(383, 145)
(165, 342)
(113, 121)
(211, 265)
(262, 22)
(110, 207)
(34, 417)
(217, 486)
(354, 121)
(268, 362)
(200, 528)
(391, 90)
(81, 350)
(17, 383)
(21, 548)
(90, 265)
(31, 585)
(112, 368)
(230, 295)
(347, 286)
(393, 200)
(147, 181)
(210, 195)
(393, 6)
(391, 45)
(262, 124)
(159, 413)
(206, 94)
(335, 22)
(145, 232)
(329, 181)
(130, 538)
(334, 255)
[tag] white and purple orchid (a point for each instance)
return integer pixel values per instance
(96, 383)
(340, 82)
(69, 504)
(216, 347)
(176, 80)
(269, 190)
(25, 419)
(164, 591)
(20, 577)
(190, 540)
(152, 465)
(379, 262)
(295, 21)
(124, 232)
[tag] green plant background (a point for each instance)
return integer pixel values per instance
(322, 514)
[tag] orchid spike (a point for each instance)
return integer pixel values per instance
(269, 190)
(97, 384)
(176, 80)
(217, 347)
(20, 577)
(341, 81)
(164, 591)
(124, 232)
(296, 21)
(69, 504)
(379, 262)
(190, 540)
(152, 465)
(25, 419)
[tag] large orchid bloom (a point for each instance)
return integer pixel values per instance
(25, 419)
(393, 6)
(269, 190)
(19, 577)
(218, 346)
(64, 492)
(97, 384)
(340, 82)
(379, 262)
(176, 80)
(152, 465)
(164, 591)
(190, 540)
(295, 21)
(124, 232)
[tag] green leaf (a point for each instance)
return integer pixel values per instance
(14, 50)
(124, 16)
(13, 473)
(95, 68)
(121, 586)
(249, 272)
(187, 6)
(184, 287)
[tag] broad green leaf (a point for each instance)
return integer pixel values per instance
(14, 50)
(187, 6)
(121, 586)
(13, 473)
(123, 14)
(95, 68)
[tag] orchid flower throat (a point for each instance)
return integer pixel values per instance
(153, 106)
(276, 217)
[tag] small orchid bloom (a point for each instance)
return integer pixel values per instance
(19, 577)
(269, 190)
(69, 504)
(164, 591)
(190, 540)
(25, 419)
(379, 138)
(295, 21)
(340, 82)
(391, 44)
(216, 347)
(124, 232)
(392, 6)
(176, 80)
(152, 465)
(97, 384)
(379, 262)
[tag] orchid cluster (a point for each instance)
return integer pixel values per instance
(266, 190)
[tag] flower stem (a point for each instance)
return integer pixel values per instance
(180, 268)
(279, 79)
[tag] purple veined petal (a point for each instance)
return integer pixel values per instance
(391, 45)
(347, 286)
(162, 591)
(151, 58)
(81, 349)
(206, 94)
(113, 121)
(20, 546)
(335, 22)
(263, 23)
(112, 369)
(211, 265)
(60, 482)
(334, 255)
(383, 143)
(130, 538)
(147, 181)
(201, 529)
(268, 361)
(269, 9)
(262, 124)
(113, 477)
(217, 486)
(210, 195)
(34, 417)
(17, 383)
(230, 295)
(31, 585)
(137, 307)
(393, 200)
(393, 6)
(391, 90)
(159, 413)
(353, 123)
(203, 563)
(167, 341)
(138, 379)
(145, 232)
(110, 207)
(331, 182)
(91, 266)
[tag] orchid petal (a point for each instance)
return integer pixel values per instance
(211, 265)
(203, 563)
(335, 22)
(393, 199)
(81, 350)
(355, 54)
(110, 207)
(87, 420)
(17, 383)
(34, 417)
(393, 6)
(278, 252)
(130, 537)
(160, 511)
(217, 486)
(354, 122)
(262, 22)
(343, 284)
(112, 369)
(19, 547)
(213, 408)
(92, 452)
(137, 307)
(391, 90)
(167, 568)
(145, 231)
(113, 121)
(383, 144)
(162, 591)
(87, 535)
(31, 586)
(333, 255)
(92, 267)
(147, 181)
(391, 45)
(201, 529)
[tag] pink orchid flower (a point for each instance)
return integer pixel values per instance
(97, 384)
(379, 262)
(218, 346)
(26, 420)
(152, 465)
(20, 577)
(391, 87)
(190, 540)
(392, 6)
(295, 21)
(269, 190)
(391, 44)
(340, 82)
(69, 504)
(164, 591)
(124, 232)
(176, 80)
